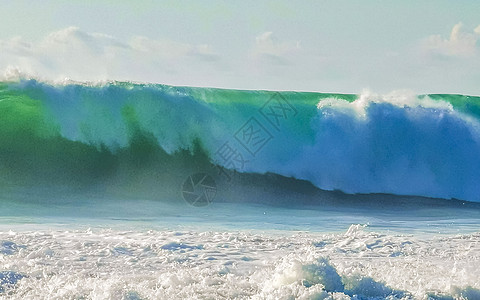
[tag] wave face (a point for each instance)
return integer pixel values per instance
(125, 139)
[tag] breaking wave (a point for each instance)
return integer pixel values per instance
(142, 140)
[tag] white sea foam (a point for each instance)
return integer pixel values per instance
(116, 264)
(397, 143)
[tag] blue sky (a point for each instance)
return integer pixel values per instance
(326, 46)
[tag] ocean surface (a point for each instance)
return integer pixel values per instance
(119, 190)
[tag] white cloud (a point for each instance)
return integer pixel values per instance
(16, 45)
(73, 36)
(73, 53)
(284, 64)
(269, 48)
(262, 62)
(459, 44)
(173, 50)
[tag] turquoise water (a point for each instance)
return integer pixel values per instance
(125, 140)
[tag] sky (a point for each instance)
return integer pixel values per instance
(325, 46)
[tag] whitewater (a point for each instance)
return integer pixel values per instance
(151, 264)
(121, 190)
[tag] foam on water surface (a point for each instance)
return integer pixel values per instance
(150, 250)
(152, 264)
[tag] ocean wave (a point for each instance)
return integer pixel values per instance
(137, 140)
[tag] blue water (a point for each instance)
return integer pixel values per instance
(446, 219)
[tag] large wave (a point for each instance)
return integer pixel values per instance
(138, 140)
